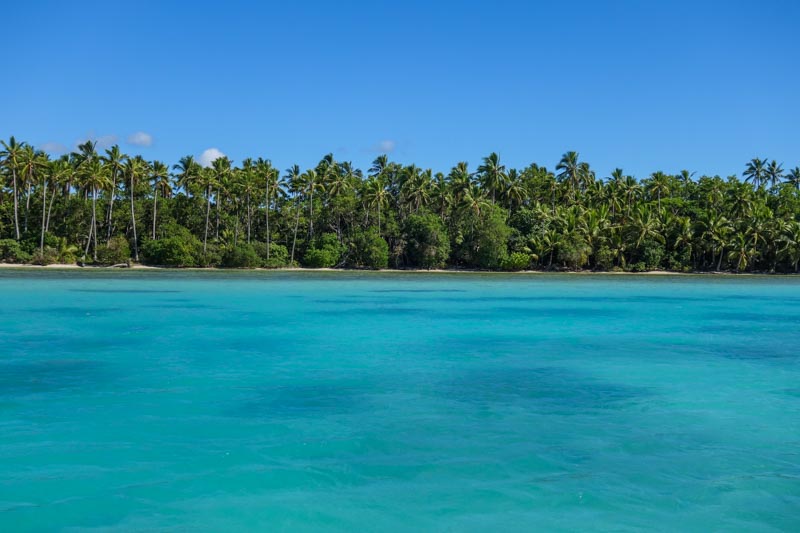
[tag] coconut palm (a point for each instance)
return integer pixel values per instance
(12, 157)
(114, 159)
(492, 175)
(94, 179)
(160, 180)
(756, 172)
(133, 170)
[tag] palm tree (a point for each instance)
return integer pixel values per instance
(793, 178)
(61, 173)
(133, 170)
(297, 186)
(774, 173)
(43, 177)
(659, 185)
(95, 178)
(114, 159)
(376, 195)
(716, 229)
(273, 184)
(159, 178)
(12, 155)
(755, 172)
(492, 175)
(742, 252)
(571, 172)
(188, 173)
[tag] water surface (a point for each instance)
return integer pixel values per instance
(404, 402)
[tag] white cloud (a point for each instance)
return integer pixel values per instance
(53, 148)
(209, 156)
(386, 146)
(140, 138)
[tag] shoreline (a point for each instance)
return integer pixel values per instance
(92, 268)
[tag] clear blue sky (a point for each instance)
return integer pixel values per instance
(641, 85)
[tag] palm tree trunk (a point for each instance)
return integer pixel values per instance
(50, 209)
(44, 214)
(719, 262)
(133, 221)
(16, 203)
(219, 196)
(27, 206)
(111, 205)
(155, 212)
(296, 225)
(208, 211)
(267, 200)
(248, 218)
(94, 222)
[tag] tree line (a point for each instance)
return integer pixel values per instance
(108, 207)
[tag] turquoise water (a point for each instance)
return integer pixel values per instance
(351, 402)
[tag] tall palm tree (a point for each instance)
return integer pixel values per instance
(134, 169)
(492, 175)
(188, 173)
(756, 172)
(376, 195)
(793, 178)
(274, 184)
(12, 155)
(774, 173)
(570, 173)
(296, 182)
(159, 178)
(43, 179)
(95, 178)
(114, 159)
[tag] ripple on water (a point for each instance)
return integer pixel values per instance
(306, 400)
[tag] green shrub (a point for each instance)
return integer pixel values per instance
(12, 252)
(428, 245)
(325, 253)
(369, 250)
(573, 251)
(516, 261)
(242, 255)
(49, 256)
(278, 254)
(604, 258)
(117, 251)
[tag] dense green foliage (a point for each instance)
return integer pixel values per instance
(110, 208)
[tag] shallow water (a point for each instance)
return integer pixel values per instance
(404, 402)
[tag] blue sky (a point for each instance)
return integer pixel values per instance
(641, 85)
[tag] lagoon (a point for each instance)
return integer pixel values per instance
(343, 401)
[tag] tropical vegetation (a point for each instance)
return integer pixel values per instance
(105, 207)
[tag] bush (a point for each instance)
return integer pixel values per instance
(11, 252)
(325, 253)
(369, 250)
(428, 245)
(242, 255)
(573, 251)
(516, 261)
(604, 258)
(117, 251)
(278, 254)
(179, 249)
(49, 256)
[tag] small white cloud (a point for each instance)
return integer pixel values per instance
(53, 148)
(106, 141)
(140, 138)
(209, 156)
(385, 147)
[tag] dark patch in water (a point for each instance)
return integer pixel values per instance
(127, 291)
(74, 311)
(306, 400)
(559, 312)
(31, 377)
(379, 310)
(416, 290)
(545, 388)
